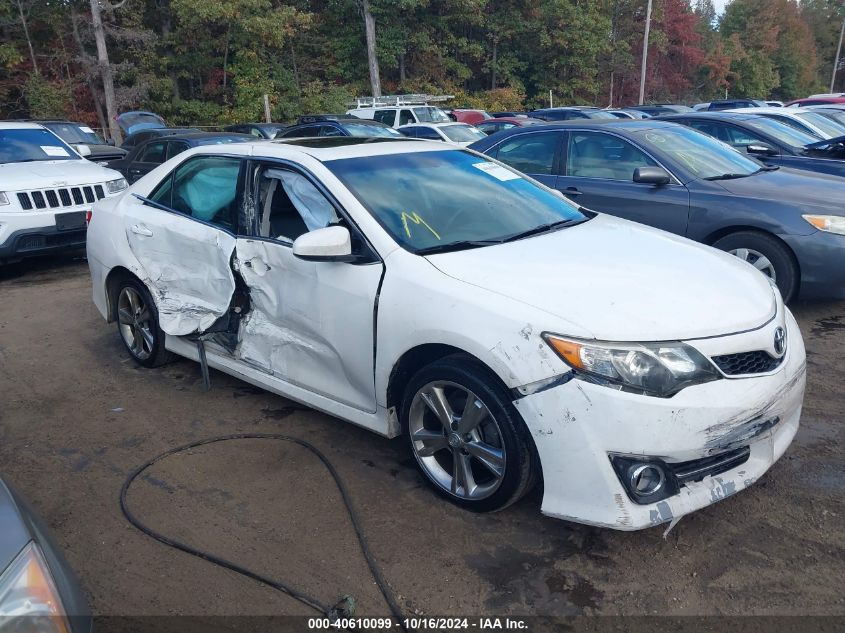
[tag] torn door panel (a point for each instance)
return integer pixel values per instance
(195, 289)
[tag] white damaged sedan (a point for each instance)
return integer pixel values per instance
(512, 337)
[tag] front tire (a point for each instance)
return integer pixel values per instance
(467, 438)
(137, 324)
(768, 255)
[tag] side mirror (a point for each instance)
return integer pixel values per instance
(331, 244)
(651, 175)
(761, 149)
(83, 150)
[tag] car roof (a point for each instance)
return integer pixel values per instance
(328, 148)
(20, 125)
(437, 124)
(745, 114)
(200, 136)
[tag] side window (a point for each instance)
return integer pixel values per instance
(308, 130)
(598, 155)
(428, 133)
(412, 132)
(711, 129)
(255, 132)
(385, 116)
(152, 153)
(740, 138)
(290, 205)
(206, 189)
(405, 117)
(175, 148)
(329, 130)
(530, 153)
(487, 128)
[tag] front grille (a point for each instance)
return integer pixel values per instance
(60, 198)
(758, 362)
(698, 469)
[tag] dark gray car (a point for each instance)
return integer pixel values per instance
(789, 224)
(38, 590)
(768, 140)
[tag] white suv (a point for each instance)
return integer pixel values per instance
(395, 116)
(46, 191)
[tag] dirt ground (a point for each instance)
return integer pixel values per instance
(77, 416)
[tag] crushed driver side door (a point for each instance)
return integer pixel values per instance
(183, 236)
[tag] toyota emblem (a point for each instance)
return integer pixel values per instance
(780, 341)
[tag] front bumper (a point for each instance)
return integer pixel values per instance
(28, 233)
(821, 258)
(578, 425)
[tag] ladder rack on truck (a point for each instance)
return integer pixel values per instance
(400, 100)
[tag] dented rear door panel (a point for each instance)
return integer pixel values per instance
(186, 265)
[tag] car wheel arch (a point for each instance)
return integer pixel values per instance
(715, 236)
(414, 359)
(117, 275)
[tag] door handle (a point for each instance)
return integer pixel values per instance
(139, 229)
(572, 191)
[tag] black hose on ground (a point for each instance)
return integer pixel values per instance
(344, 607)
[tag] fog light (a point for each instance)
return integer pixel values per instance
(645, 479)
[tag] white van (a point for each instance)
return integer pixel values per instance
(396, 110)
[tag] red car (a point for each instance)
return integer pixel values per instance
(491, 126)
(472, 117)
(815, 101)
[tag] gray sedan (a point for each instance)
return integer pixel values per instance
(789, 224)
(38, 591)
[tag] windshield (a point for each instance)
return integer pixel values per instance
(364, 130)
(441, 200)
(28, 145)
(430, 114)
(784, 133)
(73, 133)
(836, 115)
(703, 155)
(831, 128)
(598, 114)
(462, 133)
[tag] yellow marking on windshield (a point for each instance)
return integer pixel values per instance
(416, 219)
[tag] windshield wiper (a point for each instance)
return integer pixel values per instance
(456, 246)
(543, 228)
(731, 176)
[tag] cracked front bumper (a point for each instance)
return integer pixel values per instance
(576, 426)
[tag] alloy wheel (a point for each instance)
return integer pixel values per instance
(135, 323)
(456, 440)
(756, 259)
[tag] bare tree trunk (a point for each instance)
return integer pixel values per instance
(493, 65)
(372, 60)
(293, 65)
(98, 105)
(105, 71)
(28, 39)
(401, 68)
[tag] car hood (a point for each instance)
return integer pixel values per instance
(54, 173)
(789, 185)
(622, 281)
(100, 151)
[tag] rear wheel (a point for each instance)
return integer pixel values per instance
(468, 439)
(768, 255)
(137, 323)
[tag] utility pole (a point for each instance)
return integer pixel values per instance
(645, 52)
(836, 61)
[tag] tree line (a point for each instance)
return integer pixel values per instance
(211, 61)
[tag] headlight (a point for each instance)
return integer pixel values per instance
(27, 592)
(113, 186)
(829, 223)
(654, 369)
(4, 199)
